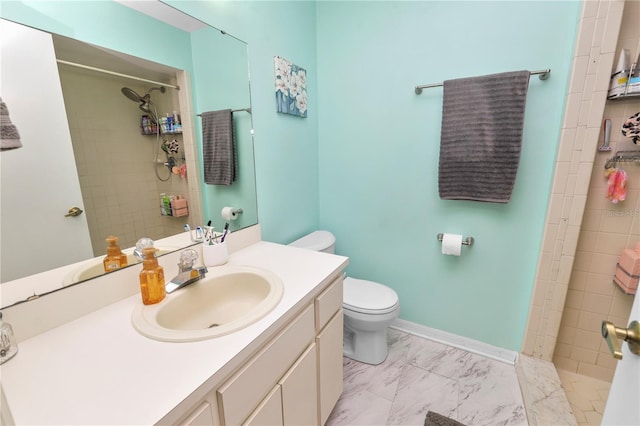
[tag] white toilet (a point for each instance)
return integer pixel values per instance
(369, 308)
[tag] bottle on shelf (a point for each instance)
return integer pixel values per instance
(177, 123)
(633, 86)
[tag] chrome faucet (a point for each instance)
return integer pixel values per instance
(188, 274)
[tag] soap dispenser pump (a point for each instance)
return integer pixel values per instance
(151, 278)
(115, 258)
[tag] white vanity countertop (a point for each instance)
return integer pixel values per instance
(98, 369)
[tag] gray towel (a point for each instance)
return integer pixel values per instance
(218, 147)
(9, 136)
(481, 137)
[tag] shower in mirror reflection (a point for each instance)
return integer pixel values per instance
(151, 111)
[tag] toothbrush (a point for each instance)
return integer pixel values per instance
(209, 233)
(607, 134)
(224, 234)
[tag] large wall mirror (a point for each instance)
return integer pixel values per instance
(79, 96)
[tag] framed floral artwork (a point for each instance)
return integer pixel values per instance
(291, 88)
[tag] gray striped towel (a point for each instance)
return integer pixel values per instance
(9, 136)
(481, 137)
(218, 147)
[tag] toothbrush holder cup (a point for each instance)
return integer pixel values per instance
(215, 254)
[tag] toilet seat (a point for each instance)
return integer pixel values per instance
(368, 297)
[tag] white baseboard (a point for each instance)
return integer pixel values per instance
(450, 339)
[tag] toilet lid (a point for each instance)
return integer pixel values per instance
(368, 296)
(317, 241)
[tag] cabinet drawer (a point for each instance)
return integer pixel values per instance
(328, 303)
(241, 394)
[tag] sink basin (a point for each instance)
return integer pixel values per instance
(94, 267)
(228, 299)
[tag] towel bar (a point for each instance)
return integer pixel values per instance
(543, 75)
(465, 241)
(235, 110)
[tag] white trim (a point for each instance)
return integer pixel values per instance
(460, 342)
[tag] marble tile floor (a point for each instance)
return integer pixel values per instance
(544, 398)
(587, 397)
(421, 375)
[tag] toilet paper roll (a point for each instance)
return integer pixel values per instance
(229, 213)
(452, 244)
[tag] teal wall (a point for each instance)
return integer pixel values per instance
(379, 148)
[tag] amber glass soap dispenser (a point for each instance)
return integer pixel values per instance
(115, 258)
(151, 278)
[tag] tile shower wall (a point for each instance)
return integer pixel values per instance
(592, 63)
(585, 232)
(606, 230)
(120, 190)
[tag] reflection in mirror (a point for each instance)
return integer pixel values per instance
(83, 144)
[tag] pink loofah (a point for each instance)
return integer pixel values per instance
(617, 190)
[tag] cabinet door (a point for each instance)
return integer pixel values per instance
(329, 343)
(32, 92)
(241, 394)
(300, 391)
(269, 412)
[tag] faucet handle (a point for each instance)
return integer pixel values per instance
(142, 244)
(187, 259)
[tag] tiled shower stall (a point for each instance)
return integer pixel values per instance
(585, 232)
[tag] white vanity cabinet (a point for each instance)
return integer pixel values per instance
(284, 369)
(294, 379)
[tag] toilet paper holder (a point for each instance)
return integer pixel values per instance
(465, 241)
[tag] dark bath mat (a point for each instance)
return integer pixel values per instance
(435, 419)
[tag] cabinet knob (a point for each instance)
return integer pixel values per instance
(613, 334)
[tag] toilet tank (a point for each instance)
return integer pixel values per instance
(323, 241)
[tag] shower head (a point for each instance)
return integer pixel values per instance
(134, 96)
(131, 94)
(145, 101)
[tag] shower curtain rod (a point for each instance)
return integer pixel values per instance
(87, 67)
(544, 74)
